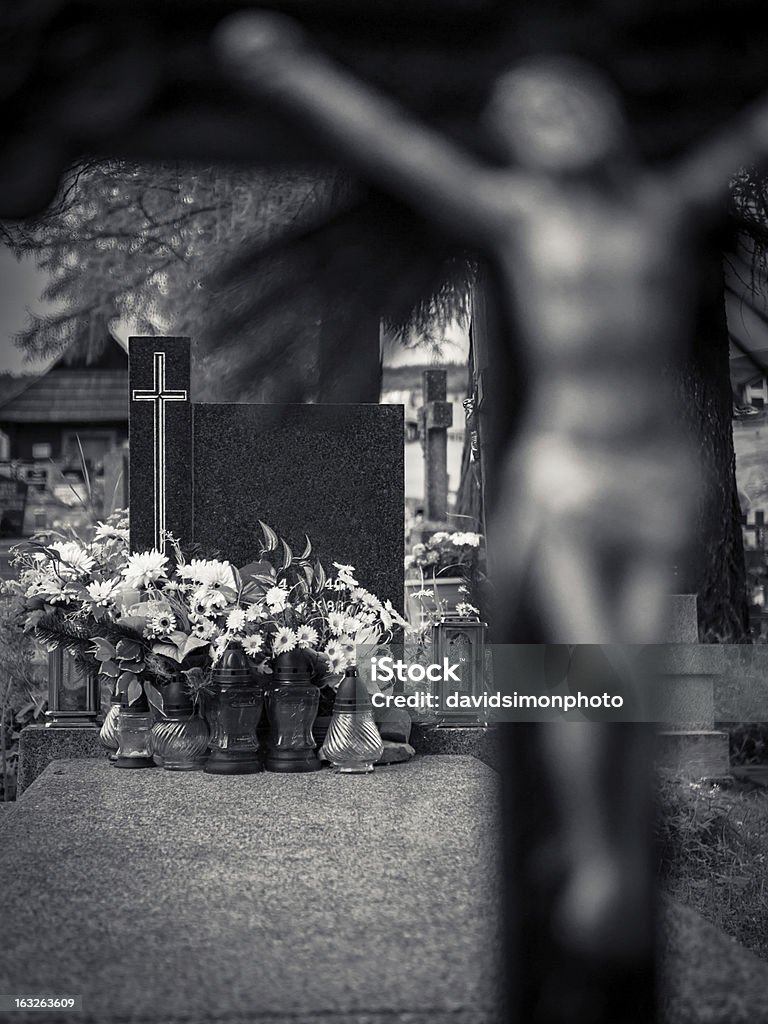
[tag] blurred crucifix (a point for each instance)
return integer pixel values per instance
(595, 252)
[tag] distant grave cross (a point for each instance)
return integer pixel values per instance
(159, 395)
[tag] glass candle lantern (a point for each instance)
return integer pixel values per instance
(233, 716)
(353, 743)
(134, 734)
(180, 736)
(292, 702)
(108, 735)
(462, 641)
(73, 693)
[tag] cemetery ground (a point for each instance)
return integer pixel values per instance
(712, 852)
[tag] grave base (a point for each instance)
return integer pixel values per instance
(39, 745)
(702, 754)
(482, 742)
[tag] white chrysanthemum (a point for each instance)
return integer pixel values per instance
(205, 602)
(336, 623)
(236, 620)
(253, 644)
(255, 612)
(74, 560)
(105, 531)
(306, 636)
(439, 537)
(353, 622)
(284, 640)
(144, 568)
(215, 575)
(102, 593)
(276, 598)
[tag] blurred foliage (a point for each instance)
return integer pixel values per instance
(23, 689)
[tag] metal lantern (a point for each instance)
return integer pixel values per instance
(135, 734)
(73, 693)
(292, 702)
(353, 743)
(180, 737)
(233, 716)
(461, 641)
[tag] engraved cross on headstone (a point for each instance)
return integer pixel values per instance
(161, 442)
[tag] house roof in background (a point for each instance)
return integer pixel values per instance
(74, 390)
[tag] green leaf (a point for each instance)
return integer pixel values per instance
(154, 696)
(124, 680)
(192, 644)
(307, 550)
(134, 690)
(270, 537)
(320, 576)
(287, 555)
(167, 651)
(129, 650)
(103, 650)
(110, 668)
(132, 666)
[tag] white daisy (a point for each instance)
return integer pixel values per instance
(144, 568)
(284, 640)
(235, 620)
(336, 663)
(336, 623)
(255, 612)
(346, 573)
(346, 646)
(204, 629)
(162, 623)
(333, 649)
(467, 610)
(253, 644)
(306, 636)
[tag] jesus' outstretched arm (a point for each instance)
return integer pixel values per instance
(266, 55)
(701, 179)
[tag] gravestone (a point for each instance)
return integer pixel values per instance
(206, 473)
(436, 417)
(689, 671)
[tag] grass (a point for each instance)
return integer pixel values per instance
(712, 853)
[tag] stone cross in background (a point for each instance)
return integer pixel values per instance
(208, 473)
(436, 417)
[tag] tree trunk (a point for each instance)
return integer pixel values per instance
(715, 570)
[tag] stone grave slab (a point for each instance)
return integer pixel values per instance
(221, 899)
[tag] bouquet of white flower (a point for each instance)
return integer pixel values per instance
(97, 599)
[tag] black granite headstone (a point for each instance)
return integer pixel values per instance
(208, 473)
